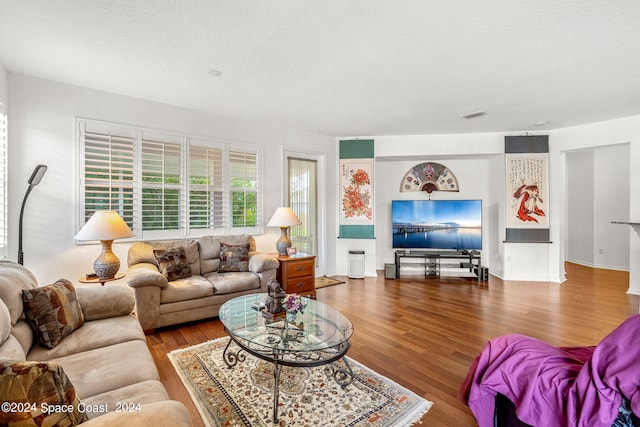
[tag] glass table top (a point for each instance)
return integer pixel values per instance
(319, 328)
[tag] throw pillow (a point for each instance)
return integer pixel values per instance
(53, 311)
(234, 258)
(38, 390)
(172, 263)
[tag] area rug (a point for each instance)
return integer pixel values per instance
(324, 281)
(243, 395)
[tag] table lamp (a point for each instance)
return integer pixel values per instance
(283, 218)
(105, 226)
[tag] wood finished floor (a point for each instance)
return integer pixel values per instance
(424, 332)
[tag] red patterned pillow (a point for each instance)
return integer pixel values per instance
(38, 390)
(53, 311)
(173, 263)
(234, 258)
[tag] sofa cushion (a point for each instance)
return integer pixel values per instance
(142, 252)
(103, 302)
(185, 289)
(5, 322)
(172, 263)
(93, 335)
(227, 283)
(233, 257)
(135, 394)
(210, 249)
(13, 279)
(18, 343)
(39, 385)
(109, 368)
(52, 311)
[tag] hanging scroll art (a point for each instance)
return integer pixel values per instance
(357, 191)
(527, 190)
(429, 177)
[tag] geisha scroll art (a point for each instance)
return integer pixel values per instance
(356, 182)
(527, 190)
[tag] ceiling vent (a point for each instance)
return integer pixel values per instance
(474, 114)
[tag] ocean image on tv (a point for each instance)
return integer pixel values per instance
(437, 224)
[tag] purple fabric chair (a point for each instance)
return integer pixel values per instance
(556, 386)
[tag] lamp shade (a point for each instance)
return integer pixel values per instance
(283, 217)
(104, 225)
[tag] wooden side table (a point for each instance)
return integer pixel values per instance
(296, 274)
(101, 281)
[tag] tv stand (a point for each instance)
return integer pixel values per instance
(434, 260)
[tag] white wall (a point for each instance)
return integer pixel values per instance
(580, 204)
(41, 130)
(611, 183)
(599, 135)
(483, 154)
(473, 181)
(598, 193)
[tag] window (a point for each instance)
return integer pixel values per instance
(244, 176)
(3, 185)
(206, 188)
(168, 185)
(161, 182)
(303, 200)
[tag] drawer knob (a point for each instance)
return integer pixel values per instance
(299, 284)
(300, 268)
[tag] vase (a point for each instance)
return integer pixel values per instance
(289, 318)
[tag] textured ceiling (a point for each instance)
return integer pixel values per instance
(344, 67)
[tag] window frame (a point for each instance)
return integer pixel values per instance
(4, 203)
(220, 226)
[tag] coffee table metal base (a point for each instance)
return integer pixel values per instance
(279, 358)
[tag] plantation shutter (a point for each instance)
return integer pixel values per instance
(243, 174)
(163, 202)
(3, 185)
(167, 185)
(206, 188)
(108, 170)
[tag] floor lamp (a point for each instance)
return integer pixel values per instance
(36, 177)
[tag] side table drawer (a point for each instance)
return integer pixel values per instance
(300, 284)
(304, 267)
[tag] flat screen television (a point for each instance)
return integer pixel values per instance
(437, 224)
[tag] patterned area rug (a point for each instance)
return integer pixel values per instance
(243, 395)
(324, 281)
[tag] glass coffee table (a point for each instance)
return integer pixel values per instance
(319, 336)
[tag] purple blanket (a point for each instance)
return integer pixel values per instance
(552, 386)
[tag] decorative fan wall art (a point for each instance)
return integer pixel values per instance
(429, 177)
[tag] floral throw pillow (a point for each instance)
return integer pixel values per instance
(35, 388)
(234, 258)
(53, 311)
(173, 263)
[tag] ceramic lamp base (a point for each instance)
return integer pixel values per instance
(283, 242)
(107, 264)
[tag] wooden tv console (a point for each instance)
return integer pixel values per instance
(434, 260)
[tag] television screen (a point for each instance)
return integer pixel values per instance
(437, 224)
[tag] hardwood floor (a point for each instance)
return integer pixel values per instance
(424, 332)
